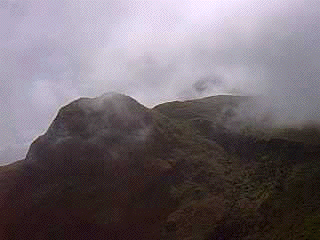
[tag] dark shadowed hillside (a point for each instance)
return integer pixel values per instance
(110, 168)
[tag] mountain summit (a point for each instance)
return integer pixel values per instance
(88, 133)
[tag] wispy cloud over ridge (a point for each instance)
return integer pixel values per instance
(54, 51)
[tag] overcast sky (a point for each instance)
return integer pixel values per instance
(53, 51)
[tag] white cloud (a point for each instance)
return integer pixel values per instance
(43, 95)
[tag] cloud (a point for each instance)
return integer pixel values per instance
(54, 51)
(11, 13)
(42, 94)
(205, 83)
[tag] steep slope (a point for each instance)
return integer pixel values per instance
(110, 162)
(84, 169)
(90, 128)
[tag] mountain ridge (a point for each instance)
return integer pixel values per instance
(108, 167)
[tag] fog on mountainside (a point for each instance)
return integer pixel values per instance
(52, 52)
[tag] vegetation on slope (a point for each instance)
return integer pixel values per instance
(278, 191)
(185, 171)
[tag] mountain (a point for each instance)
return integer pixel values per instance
(110, 168)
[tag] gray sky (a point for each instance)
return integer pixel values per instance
(53, 51)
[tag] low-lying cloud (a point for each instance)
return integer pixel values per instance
(52, 52)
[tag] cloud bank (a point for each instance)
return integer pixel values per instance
(52, 52)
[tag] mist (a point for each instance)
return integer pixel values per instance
(52, 52)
